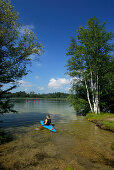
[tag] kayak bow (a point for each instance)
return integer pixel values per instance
(50, 127)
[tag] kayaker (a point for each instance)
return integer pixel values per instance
(47, 120)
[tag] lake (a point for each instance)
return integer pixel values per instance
(77, 144)
(32, 111)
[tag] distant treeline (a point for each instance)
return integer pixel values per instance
(23, 94)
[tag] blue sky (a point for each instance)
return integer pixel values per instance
(54, 22)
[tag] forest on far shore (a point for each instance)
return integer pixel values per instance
(23, 94)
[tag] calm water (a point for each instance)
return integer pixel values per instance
(32, 111)
(77, 142)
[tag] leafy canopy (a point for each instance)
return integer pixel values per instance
(91, 57)
(16, 46)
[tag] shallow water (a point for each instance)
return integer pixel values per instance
(77, 143)
(32, 111)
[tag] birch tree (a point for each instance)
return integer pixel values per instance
(90, 53)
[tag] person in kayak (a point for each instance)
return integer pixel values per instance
(47, 120)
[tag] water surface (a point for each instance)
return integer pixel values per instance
(77, 143)
(32, 111)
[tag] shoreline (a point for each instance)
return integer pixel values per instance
(27, 98)
(104, 120)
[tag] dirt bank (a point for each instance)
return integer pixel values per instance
(104, 121)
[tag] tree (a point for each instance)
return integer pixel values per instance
(78, 98)
(107, 86)
(16, 46)
(91, 60)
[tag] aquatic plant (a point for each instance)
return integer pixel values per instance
(4, 137)
(69, 168)
(112, 145)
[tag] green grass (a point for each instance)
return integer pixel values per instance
(108, 124)
(100, 116)
(69, 168)
(103, 120)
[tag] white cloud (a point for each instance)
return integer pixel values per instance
(36, 77)
(25, 83)
(40, 88)
(58, 83)
(67, 89)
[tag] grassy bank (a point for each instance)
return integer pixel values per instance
(102, 120)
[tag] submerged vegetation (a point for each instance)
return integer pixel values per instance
(113, 145)
(103, 120)
(4, 137)
(69, 168)
(76, 145)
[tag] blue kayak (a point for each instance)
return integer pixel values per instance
(50, 127)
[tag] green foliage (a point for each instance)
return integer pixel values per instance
(16, 46)
(78, 99)
(103, 120)
(108, 124)
(69, 168)
(91, 60)
(107, 86)
(23, 94)
(79, 104)
(101, 116)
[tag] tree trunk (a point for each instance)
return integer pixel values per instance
(92, 87)
(88, 97)
(96, 100)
